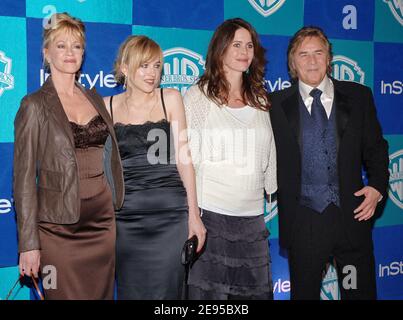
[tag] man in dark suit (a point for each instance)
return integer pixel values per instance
(326, 131)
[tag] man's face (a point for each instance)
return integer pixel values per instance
(311, 60)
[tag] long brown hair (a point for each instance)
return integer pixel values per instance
(214, 83)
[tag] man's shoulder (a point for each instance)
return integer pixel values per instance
(284, 92)
(350, 88)
(276, 97)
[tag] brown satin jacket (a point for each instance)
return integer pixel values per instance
(46, 181)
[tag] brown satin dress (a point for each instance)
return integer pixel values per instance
(84, 253)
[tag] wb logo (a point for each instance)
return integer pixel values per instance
(396, 178)
(182, 68)
(396, 7)
(266, 7)
(270, 210)
(6, 79)
(347, 69)
(330, 287)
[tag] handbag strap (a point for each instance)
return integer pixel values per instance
(38, 291)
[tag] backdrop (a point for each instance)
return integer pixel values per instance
(367, 37)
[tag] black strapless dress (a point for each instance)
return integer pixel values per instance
(152, 225)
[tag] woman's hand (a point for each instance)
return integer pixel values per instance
(29, 263)
(196, 227)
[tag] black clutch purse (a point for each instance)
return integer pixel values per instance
(189, 254)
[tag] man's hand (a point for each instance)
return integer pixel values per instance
(367, 208)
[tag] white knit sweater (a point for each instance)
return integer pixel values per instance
(234, 161)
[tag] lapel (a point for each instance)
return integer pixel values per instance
(343, 109)
(55, 107)
(291, 110)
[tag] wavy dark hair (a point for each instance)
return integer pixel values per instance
(214, 83)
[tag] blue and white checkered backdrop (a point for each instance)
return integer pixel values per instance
(367, 37)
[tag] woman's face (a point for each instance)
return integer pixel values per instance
(65, 53)
(239, 54)
(147, 76)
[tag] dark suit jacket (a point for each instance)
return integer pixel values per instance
(46, 181)
(359, 143)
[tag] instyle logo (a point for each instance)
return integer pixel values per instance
(182, 68)
(395, 268)
(101, 79)
(6, 78)
(5, 205)
(396, 7)
(266, 7)
(396, 178)
(279, 84)
(330, 287)
(282, 286)
(393, 88)
(347, 69)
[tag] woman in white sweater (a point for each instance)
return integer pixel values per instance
(233, 151)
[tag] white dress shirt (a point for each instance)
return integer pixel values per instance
(326, 86)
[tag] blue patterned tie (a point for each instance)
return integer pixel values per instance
(318, 112)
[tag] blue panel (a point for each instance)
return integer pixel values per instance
(281, 277)
(344, 19)
(8, 228)
(191, 14)
(276, 71)
(389, 262)
(388, 86)
(12, 8)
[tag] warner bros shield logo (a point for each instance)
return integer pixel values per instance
(330, 287)
(396, 7)
(396, 178)
(266, 7)
(6, 79)
(347, 69)
(182, 68)
(270, 210)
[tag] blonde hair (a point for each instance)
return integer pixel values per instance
(298, 38)
(133, 52)
(62, 22)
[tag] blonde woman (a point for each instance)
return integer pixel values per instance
(64, 207)
(160, 208)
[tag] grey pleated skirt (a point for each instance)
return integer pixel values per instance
(235, 262)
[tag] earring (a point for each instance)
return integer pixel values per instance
(125, 82)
